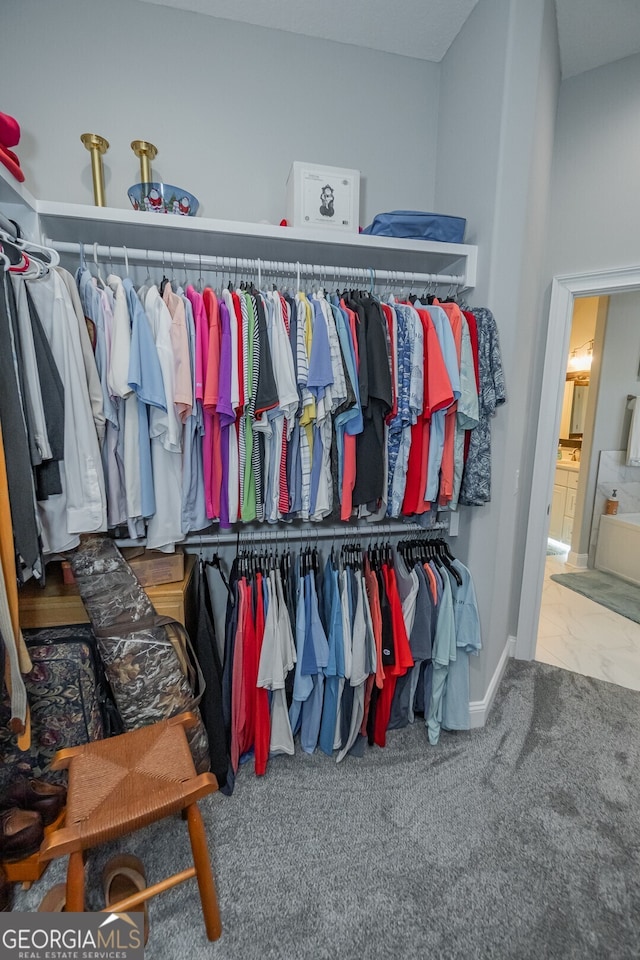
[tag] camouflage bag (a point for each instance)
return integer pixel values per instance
(146, 657)
(66, 694)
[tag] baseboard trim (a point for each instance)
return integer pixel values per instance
(479, 709)
(578, 560)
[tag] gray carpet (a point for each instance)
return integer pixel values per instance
(518, 841)
(605, 589)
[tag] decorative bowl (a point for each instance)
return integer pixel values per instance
(163, 198)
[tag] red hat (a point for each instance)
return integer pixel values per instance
(11, 162)
(9, 131)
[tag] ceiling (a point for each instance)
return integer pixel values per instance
(591, 32)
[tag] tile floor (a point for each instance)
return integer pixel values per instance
(580, 635)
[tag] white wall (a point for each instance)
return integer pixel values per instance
(593, 226)
(594, 218)
(228, 105)
(497, 113)
(471, 104)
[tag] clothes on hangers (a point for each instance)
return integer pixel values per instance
(187, 408)
(371, 638)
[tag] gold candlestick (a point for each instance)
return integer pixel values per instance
(146, 153)
(96, 145)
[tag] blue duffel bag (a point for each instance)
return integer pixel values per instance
(416, 225)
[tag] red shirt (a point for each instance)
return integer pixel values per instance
(262, 731)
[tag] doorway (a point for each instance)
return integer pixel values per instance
(570, 609)
(576, 428)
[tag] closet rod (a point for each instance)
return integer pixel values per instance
(249, 537)
(175, 261)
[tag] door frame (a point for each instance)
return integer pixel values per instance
(564, 291)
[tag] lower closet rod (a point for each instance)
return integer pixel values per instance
(317, 271)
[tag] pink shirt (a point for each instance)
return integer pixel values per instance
(202, 355)
(212, 477)
(202, 338)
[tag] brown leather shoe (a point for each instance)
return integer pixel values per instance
(6, 891)
(21, 833)
(47, 799)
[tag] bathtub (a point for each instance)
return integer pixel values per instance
(618, 549)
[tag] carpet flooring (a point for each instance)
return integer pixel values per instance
(605, 589)
(520, 841)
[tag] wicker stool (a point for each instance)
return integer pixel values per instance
(119, 785)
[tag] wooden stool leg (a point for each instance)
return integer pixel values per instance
(75, 883)
(204, 874)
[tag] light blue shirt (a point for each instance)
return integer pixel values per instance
(444, 651)
(455, 714)
(145, 377)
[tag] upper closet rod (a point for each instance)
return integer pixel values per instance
(257, 265)
(310, 535)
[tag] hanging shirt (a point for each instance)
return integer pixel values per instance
(444, 651)
(454, 315)
(277, 659)
(20, 484)
(82, 477)
(320, 382)
(476, 482)
(90, 368)
(229, 401)
(455, 713)
(35, 406)
(119, 379)
(335, 663)
(194, 514)
(467, 415)
(145, 378)
(201, 323)
(359, 672)
(164, 529)
(447, 343)
(213, 482)
(92, 308)
(377, 401)
(249, 457)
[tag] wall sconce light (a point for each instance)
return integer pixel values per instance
(580, 358)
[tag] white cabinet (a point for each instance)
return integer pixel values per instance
(557, 511)
(563, 505)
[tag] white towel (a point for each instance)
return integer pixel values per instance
(633, 446)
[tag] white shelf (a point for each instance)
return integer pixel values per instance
(84, 223)
(17, 203)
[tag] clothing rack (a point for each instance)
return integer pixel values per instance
(173, 261)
